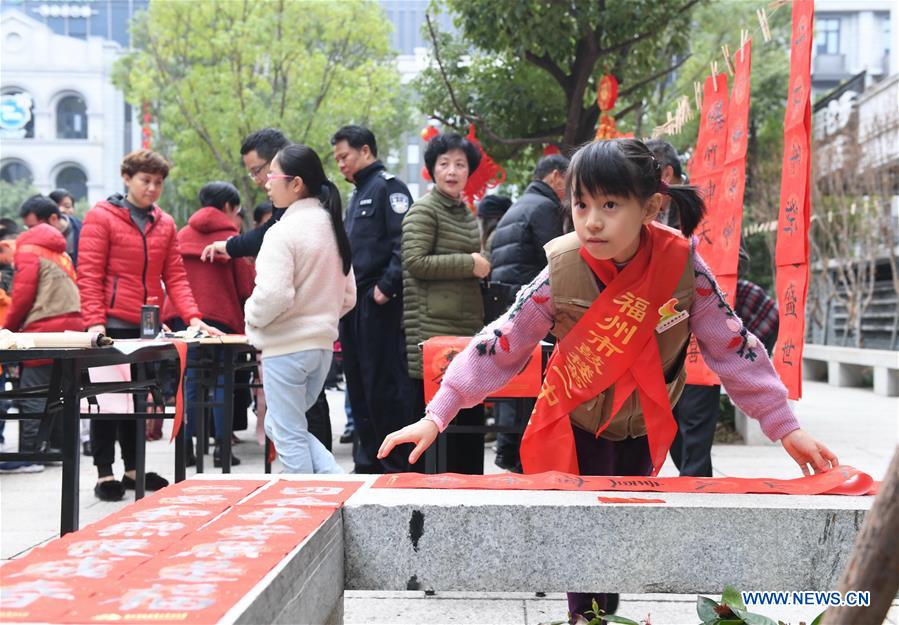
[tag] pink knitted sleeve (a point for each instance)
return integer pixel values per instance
(738, 357)
(495, 354)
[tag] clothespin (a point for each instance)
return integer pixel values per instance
(776, 4)
(744, 37)
(714, 67)
(725, 50)
(763, 24)
(697, 92)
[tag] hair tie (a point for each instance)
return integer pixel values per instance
(663, 188)
(325, 192)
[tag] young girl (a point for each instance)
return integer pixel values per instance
(304, 284)
(622, 294)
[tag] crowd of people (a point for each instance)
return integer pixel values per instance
(592, 248)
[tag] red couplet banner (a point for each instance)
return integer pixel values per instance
(792, 251)
(439, 351)
(842, 480)
(185, 554)
(706, 173)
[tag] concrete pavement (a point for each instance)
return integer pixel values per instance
(858, 425)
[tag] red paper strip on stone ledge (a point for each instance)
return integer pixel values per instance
(842, 480)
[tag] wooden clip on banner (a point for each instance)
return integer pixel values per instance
(763, 24)
(714, 67)
(725, 51)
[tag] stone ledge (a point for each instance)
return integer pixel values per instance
(503, 541)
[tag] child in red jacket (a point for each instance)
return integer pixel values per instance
(44, 299)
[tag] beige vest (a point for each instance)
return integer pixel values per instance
(57, 294)
(574, 289)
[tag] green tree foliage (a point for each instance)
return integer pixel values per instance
(12, 195)
(216, 70)
(526, 71)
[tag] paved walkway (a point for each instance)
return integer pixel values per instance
(858, 425)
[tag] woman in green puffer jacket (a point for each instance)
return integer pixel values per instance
(442, 269)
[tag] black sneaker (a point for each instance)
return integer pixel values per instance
(508, 462)
(152, 481)
(110, 490)
(346, 437)
(86, 449)
(217, 458)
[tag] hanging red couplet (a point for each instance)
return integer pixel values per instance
(792, 251)
(439, 351)
(706, 171)
(792, 285)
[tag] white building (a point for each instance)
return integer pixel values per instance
(62, 122)
(854, 36)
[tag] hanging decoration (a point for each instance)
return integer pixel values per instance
(487, 175)
(146, 129)
(706, 171)
(792, 251)
(606, 96)
(551, 149)
(428, 133)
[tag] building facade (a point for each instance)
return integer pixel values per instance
(853, 36)
(62, 122)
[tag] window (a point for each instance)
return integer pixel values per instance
(71, 118)
(885, 29)
(16, 114)
(74, 180)
(827, 35)
(15, 171)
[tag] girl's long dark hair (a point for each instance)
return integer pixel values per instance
(627, 168)
(300, 160)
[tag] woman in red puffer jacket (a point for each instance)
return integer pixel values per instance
(127, 251)
(220, 287)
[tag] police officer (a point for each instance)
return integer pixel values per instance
(371, 335)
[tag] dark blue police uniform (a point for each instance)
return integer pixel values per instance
(371, 335)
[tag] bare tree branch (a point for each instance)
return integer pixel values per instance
(546, 63)
(634, 87)
(473, 118)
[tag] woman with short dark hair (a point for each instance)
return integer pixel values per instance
(442, 269)
(127, 251)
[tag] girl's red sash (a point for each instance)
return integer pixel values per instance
(613, 343)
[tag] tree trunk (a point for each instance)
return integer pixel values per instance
(874, 564)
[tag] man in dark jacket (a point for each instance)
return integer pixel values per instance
(530, 223)
(371, 335)
(257, 152)
(517, 256)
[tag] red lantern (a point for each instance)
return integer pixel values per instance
(607, 92)
(428, 133)
(487, 175)
(425, 175)
(552, 148)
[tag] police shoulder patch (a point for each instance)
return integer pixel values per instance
(399, 202)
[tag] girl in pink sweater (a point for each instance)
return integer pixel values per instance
(622, 294)
(304, 285)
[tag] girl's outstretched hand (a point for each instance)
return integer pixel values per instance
(806, 450)
(421, 433)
